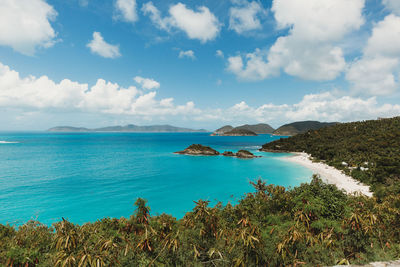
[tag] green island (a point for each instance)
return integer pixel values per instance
(314, 224)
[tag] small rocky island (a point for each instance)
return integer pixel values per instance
(200, 150)
(197, 149)
(228, 154)
(245, 154)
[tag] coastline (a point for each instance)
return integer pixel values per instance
(330, 174)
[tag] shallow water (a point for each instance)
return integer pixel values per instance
(87, 176)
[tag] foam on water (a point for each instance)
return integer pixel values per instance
(7, 142)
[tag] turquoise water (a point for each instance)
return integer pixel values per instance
(87, 176)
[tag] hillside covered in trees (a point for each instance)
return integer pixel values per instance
(314, 224)
(301, 127)
(367, 150)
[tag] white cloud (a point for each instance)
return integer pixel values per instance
(187, 54)
(385, 38)
(102, 48)
(309, 51)
(40, 94)
(32, 93)
(245, 17)
(373, 75)
(392, 5)
(219, 53)
(322, 107)
(200, 24)
(147, 83)
(328, 107)
(256, 68)
(126, 10)
(155, 16)
(25, 25)
(377, 71)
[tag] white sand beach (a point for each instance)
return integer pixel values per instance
(330, 174)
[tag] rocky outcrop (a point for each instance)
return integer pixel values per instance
(200, 150)
(244, 154)
(197, 149)
(228, 154)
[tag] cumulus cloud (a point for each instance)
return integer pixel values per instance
(328, 107)
(32, 93)
(246, 17)
(25, 25)
(323, 107)
(41, 94)
(147, 83)
(377, 71)
(187, 54)
(201, 24)
(125, 10)
(155, 16)
(392, 5)
(309, 51)
(98, 46)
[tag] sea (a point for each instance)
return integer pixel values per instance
(84, 177)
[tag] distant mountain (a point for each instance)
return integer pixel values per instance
(261, 128)
(68, 129)
(223, 130)
(301, 127)
(127, 128)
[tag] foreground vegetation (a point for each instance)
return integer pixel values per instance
(314, 224)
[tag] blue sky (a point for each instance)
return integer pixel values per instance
(95, 63)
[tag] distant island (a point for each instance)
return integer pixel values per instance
(301, 127)
(222, 130)
(128, 128)
(289, 129)
(244, 130)
(239, 132)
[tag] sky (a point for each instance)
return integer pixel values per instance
(198, 64)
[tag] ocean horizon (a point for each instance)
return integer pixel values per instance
(84, 177)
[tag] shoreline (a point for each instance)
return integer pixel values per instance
(330, 174)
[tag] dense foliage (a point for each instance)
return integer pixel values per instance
(314, 224)
(368, 150)
(301, 127)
